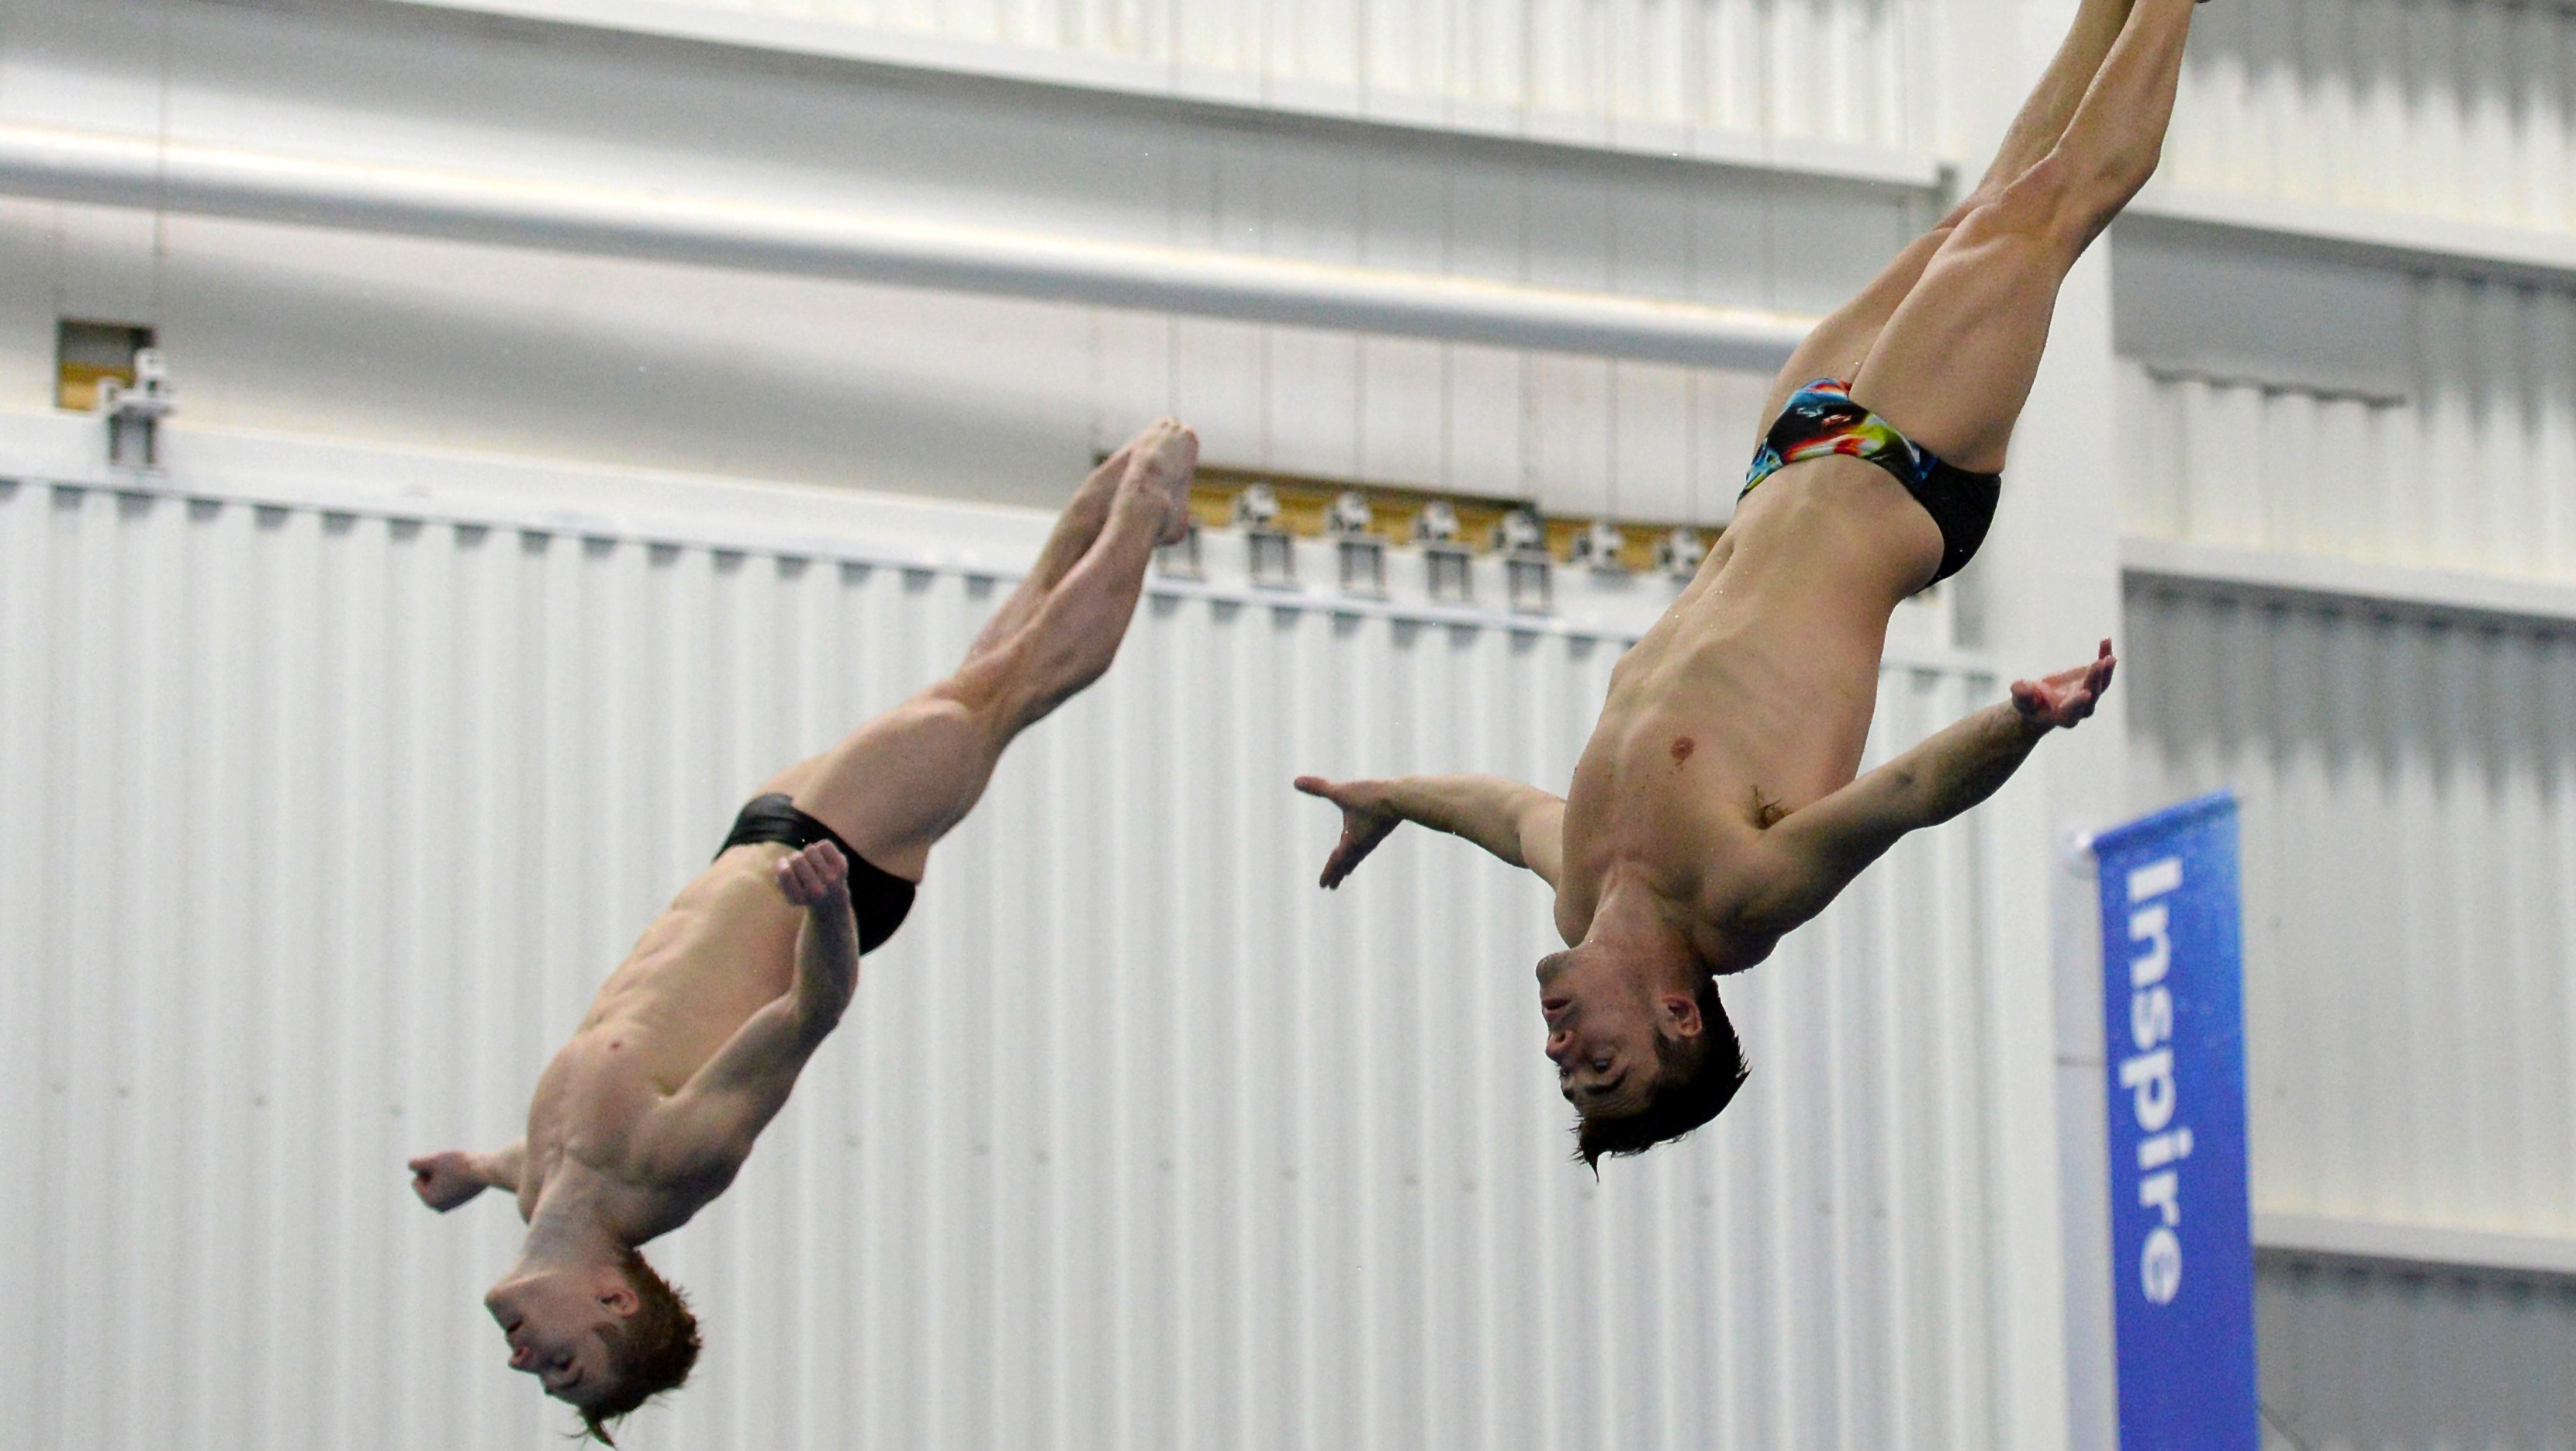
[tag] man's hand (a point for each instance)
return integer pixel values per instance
(1366, 821)
(808, 876)
(2067, 697)
(446, 1180)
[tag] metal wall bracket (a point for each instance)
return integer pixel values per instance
(1679, 553)
(1599, 547)
(1272, 553)
(1363, 567)
(1449, 566)
(1528, 572)
(134, 412)
(1530, 581)
(1451, 572)
(1362, 551)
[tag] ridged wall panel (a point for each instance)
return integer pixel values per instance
(2359, 1359)
(1709, 63)
(323, 826)
(2463, 109)
(2410, 891)
(2466, 469)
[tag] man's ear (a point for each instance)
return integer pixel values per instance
(1680, 1015)
(616, 1296)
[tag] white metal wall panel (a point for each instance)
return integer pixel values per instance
(2410, 881)
(1699, 63)
(2357, 1358)
(2466, 470)
(2452, 108)
(323, 826)
(451, 344)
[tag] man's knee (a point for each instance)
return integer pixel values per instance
(1016, 683)
(2049, 207)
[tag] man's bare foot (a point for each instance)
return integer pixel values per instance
(1166, 457)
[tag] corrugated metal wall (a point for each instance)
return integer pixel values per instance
(2410, 891)
(2410, 880)
(2358, 1359)
(2453, 108)
(1694, 62)
(323, 826)
(2466, 469)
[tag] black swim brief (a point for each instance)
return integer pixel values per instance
(1822, 421)
(878, 897)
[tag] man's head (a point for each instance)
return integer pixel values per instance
(604, 1338)
(1645, 1054)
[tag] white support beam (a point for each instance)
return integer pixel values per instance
(693, 21)
(2440, 593)
(2416, 1246)
(99, 168)
(2385, 238)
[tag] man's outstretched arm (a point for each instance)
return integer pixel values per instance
(709, 1124)
(444, 1181)
(1818, 850)
(1521, 824)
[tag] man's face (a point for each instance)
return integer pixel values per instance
(552, 1323)
(1601, 1033)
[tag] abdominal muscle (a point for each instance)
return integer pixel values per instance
(724, 949)
(1752, 696)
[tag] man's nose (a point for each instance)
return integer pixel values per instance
(1560, 1045)
(522, 1357)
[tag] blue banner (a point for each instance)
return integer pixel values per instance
(2173, 1022)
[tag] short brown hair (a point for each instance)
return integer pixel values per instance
(650, 1352)
(1695, 1086)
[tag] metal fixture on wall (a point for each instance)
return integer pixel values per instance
(1680, 551)
(134, 412)
(1448, 563)
(1361, 549)
(1528, 575)
(1599, 547)
(1273, 551)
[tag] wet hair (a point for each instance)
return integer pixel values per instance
(1698, 1080)
(649, 1352)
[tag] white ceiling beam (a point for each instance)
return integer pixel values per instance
(2416, 1246)
(2273, 574)
(129, 171)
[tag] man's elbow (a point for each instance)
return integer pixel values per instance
(815, 1021)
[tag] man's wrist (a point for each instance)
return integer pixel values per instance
(2030, 724)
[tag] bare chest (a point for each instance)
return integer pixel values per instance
(725, 948)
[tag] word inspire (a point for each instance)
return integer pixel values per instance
(2149, 1078)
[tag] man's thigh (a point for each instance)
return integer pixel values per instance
(896, 785)
(1955, 365)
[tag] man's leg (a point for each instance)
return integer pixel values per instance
(1842, 342)
(1955, 363)
(900, 782)
(1075, 528)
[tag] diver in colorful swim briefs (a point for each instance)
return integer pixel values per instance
(692, 1046)
(1719, 804)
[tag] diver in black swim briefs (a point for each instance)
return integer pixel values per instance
(1720, 802)
(691, 1047)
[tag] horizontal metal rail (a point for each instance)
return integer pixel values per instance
(94, 167)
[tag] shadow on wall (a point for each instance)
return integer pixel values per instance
(2359, 1358)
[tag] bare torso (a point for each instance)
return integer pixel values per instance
(1749, 699)
(723, 949)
